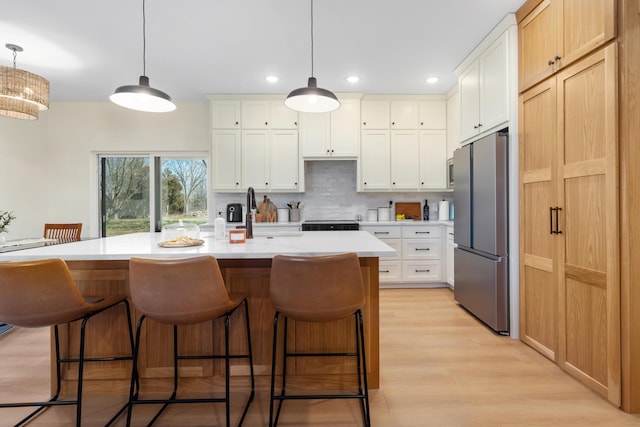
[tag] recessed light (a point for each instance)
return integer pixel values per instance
(353, 79)
(431, 80)
(272, 79)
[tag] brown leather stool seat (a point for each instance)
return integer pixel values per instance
(318, 289)
(185, 291)
(43, 293)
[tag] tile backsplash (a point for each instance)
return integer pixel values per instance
(330, 194)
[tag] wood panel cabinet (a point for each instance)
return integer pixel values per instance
(558, 32)
(569, 254)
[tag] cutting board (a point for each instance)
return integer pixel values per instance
(268, 210)
(411, 210)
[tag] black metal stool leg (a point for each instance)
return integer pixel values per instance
(362, 354)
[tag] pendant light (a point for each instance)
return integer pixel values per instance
(143, 97)
(312, 99)
(22, 94)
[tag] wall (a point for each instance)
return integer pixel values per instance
(55, 158)
(23, 174)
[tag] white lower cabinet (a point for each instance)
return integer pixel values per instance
(419, 261)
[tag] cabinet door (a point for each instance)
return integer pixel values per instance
(374, 160)
(469, 91)
(375, 114)
(315, 131)
(494, 85)
(538, 253)
(537, 34)
(589, 222)
(255, 159)
(584, 26)
(225, 114)
(433, 159)
(284, 160)
(345, 129)
(404, 114)
(404, 160)
(281, 116)
(225, 160)
(453, 124)
(433, 115)
(255, 115)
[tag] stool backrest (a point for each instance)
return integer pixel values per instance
(316, 288)
(39, 293)
(65, 233)
(178, 290)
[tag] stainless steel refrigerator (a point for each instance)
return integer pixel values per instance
(481, 272)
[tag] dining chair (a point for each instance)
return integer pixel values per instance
(63, 233)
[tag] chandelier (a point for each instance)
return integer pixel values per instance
(22, 94)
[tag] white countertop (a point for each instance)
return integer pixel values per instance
(146, 245)
(406, 222)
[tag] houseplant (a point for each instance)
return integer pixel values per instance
(5, 220)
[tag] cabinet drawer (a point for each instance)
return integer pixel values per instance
(389, 271)
(395, 244)
(422, 249)
(384, 232)
(423, 231)
(421, 271)
(450, 234)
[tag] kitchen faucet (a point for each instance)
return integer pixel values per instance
(251, 204)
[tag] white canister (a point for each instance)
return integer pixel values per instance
(383, 214)
(443, 209)
(283, 214)
(372, 215)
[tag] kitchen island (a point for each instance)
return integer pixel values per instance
(101, 266)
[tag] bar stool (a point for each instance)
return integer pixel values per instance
(185, 291)
(318, 289)
(43, 293)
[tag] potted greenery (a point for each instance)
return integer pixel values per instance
(5, 219)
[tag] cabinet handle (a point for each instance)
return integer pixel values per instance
(551, 220)
(479, 125)
(423, 249)
(237, 183)
(423, 271)
(421, 123)
(475, 127)
(557, 58)
(422, 232)
(332, 151)
(384, 271)
(295, 183)
(365, 183)
(557, 230)
(393, 183)
(295, 123)
(237, 123)
(393, 123)
(551, 62)
(266, 183)
(266, 123)
(327, 151)
(364, 123)
(380, 232)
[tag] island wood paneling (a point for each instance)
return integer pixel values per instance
(249, 277)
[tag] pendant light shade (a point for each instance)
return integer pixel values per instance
(312, 99)
(22, 94)
(143, 97)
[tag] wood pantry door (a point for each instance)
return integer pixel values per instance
(538, 248)
(588, 246)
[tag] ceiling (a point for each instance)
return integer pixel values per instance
(197, 47)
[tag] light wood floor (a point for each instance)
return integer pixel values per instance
(439, 367)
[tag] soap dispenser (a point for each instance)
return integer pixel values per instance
(219, 226)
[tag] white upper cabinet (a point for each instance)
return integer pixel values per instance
(225, 114)
(486, 83)
(268, 114)
(404, 115)
(270, 160)
(433, 115)
(374, 160)
(226, 152)
(405, 165)
(453, 123)
(433, 156)
(375, 115)
(332, 135)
